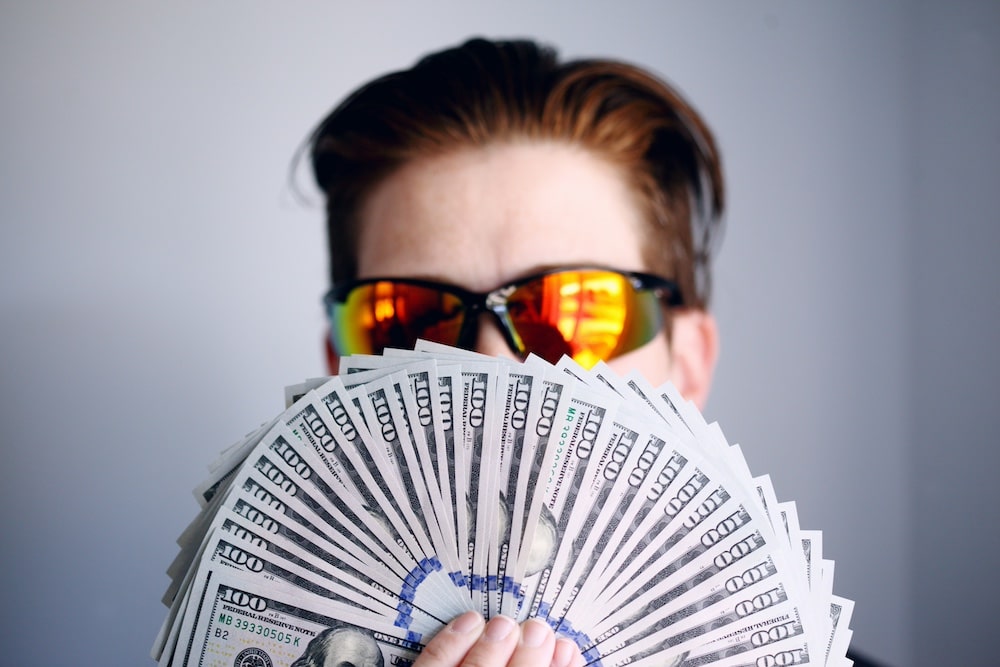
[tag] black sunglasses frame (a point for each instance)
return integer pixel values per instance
(495, 300)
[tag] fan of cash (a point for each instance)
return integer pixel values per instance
(420, 484)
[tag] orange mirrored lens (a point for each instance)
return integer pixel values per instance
(391, 314)
(589, 315)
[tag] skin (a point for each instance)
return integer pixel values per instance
(481, 217)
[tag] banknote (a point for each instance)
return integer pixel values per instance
(419, 484)
(521, 421)
(432, 400)
(389, 403)
(595, 505)
(480, 413)
(841, 610)
(587, 422)
(452, 458)
(244, 621)
(340, 430)
(532, 524)
(633, 498)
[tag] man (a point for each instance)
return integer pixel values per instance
(494, 198)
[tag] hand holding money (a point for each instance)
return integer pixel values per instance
(499, 643)
(388, 512)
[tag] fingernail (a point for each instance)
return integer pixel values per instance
(534, 633)
(565, 653)
(499, 628)
(466, 623)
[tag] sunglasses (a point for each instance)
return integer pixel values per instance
(589, 314)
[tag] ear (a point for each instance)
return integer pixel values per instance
(694, 349)
(332, 358)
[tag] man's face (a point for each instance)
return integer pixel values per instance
(482, 217)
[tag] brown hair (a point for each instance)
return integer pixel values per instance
(483, 92)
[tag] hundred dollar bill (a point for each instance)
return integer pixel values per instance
(687, 423)
(647, 540)
(661, 488)
(776, 640)
(711, 441)
(477, 407)
(498, 396)
(209, 496)
(841, 610)
(711, 546)
(714, 492)
(324, 559)
(315, 514)
(587, 423)
(334, 432)
(453, 469)
(233, 547)
(676, 501)
(261, 524)
(520, 422)
(431, 423)
(811, 544)
(385, 403)
(515, 424)
(532, 538)
(227, 462)
(708, 603)
(819, 604)
(417, 406)
(305, 526)
(706, 559)
(229, 550)
(170, 634)
(294, 392)
(629, 503)
(296, 470)
(791, 651)
(371, 470)
(688, 541)
(331, 423)
(269, 479)
(240, 622)
(400, 404)
(788, 529)
(602, 490)
(423, 412)
(789, 524)
(600, 374)
(190, 544)
(775, 626)
(394, 458)
(452, 466)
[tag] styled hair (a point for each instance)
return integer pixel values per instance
(485, 92)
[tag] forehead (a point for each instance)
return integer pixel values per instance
(481, 216)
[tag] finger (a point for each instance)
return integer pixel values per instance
(450, 645)
(567, 654)
(535, 646)
(495, 645)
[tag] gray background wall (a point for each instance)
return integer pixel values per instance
(159, 284)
